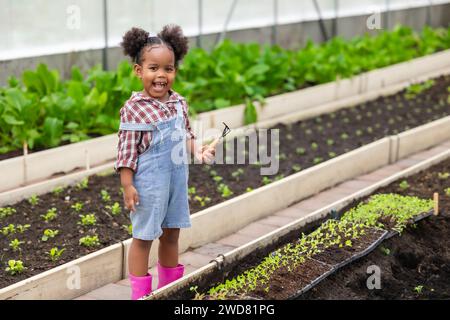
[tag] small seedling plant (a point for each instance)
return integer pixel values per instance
(49, 234)
(55, 253)
(15, 267)
(90, 241)
(50, 215)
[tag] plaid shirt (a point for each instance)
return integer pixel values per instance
(143, 109)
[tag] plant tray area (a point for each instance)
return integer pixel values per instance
(412, 254)
(415, 265)
(302, 145)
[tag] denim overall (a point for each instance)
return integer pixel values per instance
(161, 179)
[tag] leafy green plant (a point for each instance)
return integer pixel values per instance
(249, 189)
(105, 195)
(386, 251)
(404, 185)
(83, 184)
(202, 200)
(77, 206)
(87, 220)
(50, 215)
(128, 228)
(9, 229)
(49, 234)
(15, 267)
(89, 241)
(443, 175)
(296, 167)
(57, 191)
(33, 200)
(224, 190)
(300, 151)
(266, 180)
(15, 244)
(236, 174)
(418, 289)
(415, 89)
(6, 212)
(55, 253)
(447, 192)
(22, 228)
(115, 209)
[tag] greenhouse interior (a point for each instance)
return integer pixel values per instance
(225, 150)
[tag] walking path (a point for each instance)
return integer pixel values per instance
(196, 258)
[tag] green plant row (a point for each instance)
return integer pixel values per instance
(40, 110)
(382, 211)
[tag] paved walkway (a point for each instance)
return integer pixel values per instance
(196, 258)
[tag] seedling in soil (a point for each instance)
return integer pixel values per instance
(266, 180)
(386, 251)
(314, 146)
(443, 175)
(57, 191)
(55, 253)
(369, 130)
(344, 136)
(105, 195)
(418, 289)
(202, 200)
(9, 229)
(217, 179)
(198, 296)
(300, 151)
(224, 190)
(289, 137)
(87, 220)
(49, 234)
(332, 154)
(6, 212)
(317, 160)
(83, 184)
(447, 192)
(90, 241)
(22, 228)
(78, 206)
(404, 185)
(115, 209)
(50, 215)
(191, 191)
(330, 142)
(128, 228)
(33, 200)
(251, 189)
(15, 267)
(296, 167)
(121, 190)
(358, 133)
(15, 244)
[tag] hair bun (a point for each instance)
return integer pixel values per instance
(133, 41)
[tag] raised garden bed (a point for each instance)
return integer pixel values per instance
(288, 266)
(413, 266)
(112, 228)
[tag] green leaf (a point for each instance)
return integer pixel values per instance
(12, 121)
(250, 114)
(53, 130)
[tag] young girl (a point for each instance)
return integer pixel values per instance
(154, 123)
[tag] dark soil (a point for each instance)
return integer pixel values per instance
(362, 124)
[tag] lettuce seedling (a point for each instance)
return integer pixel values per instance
(55, 253)
(49, 234)
(50, 215)
(15, 267)
(89, 241)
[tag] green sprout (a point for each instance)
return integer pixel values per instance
(89, 241)
(49, 234)
(83, 184)
(87, 220)
(6, 212)
(15, 267)
(50, 215)
(105, 195)
(404, 185)
(266, 180)
(33, 200)
(15, 244)
(78, 206)
(115, 209)
(224, 190)
(418, 289)
(57, 191)
(9, 229)
(300, 151)
(296, 167)
(386, 251)
(128, 228)
(443, 175)
(55, 253)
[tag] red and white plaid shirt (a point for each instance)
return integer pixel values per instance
(143, 109)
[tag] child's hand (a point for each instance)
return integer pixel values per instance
(130, 197)
(206, 154)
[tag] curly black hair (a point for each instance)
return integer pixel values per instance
(136, 39)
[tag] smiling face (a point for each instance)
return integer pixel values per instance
(157, 71)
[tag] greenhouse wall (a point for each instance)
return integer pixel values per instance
(270, 22)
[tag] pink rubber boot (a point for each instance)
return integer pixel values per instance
(140, 286)
(168, 275)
